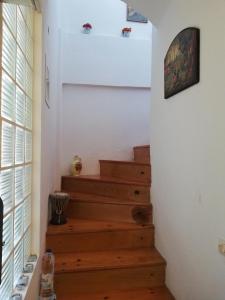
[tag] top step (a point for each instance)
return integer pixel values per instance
(142, 154)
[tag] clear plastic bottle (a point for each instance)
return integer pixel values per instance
(47, 276)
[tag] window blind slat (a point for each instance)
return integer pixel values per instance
(19, 184)
(19, 149)
(7, 280)
(27, 213)
(20, 68)
(21, 31)
(27, 244)
(9, 16)
(6, 189)
(29, 87)
(8, 98)
(7, 158)
(8, 52)
(28, 148)
(29, 113)
(20, 107)
(18, 261)
(7, 236)
(27, 180)
(18, 224)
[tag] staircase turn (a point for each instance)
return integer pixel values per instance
(106, 250)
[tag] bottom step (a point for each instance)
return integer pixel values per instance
(137, 294)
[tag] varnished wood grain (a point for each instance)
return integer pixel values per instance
(108, 187)
(102, 254)
(86, 235)
(142, 154)
(126, 170)
(79, 209)
(161, 293)
(109, 279)
(87, 261)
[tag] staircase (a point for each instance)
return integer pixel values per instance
(106, 250)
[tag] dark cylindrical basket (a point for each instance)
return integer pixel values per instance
(59, 202)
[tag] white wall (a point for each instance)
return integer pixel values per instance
(50, 115)
(98, 120)
(188, 146)
(102, 123)
(104, 60)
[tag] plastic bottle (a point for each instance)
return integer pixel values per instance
(47, 276)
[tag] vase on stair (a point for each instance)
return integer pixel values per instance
(76, 166)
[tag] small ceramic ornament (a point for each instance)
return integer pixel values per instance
(87, 28)
(76, 166)
(126, 32)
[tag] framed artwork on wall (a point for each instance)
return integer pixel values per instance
(134, 16)
(182, 62)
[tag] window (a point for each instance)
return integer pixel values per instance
(16, 140)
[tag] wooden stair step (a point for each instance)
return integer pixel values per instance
(93, 198)
(92, 235)
(101, 260)
(108, 187)
(129, 170)
(142, 153)
(95, 207)
(161, 293)
(104, 271)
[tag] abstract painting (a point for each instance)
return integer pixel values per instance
(134, 16)
(181, 64)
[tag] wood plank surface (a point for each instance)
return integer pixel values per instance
(133, 171)
(86, 261)
(131, 294)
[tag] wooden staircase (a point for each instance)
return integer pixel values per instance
(106, 250)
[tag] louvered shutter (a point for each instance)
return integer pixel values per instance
(16, 141)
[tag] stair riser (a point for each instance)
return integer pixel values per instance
(136, 193)
(125, 171)
(103, 211)
(109, 279)
(142, 154)
(97, 241)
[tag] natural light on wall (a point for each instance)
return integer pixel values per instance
(16, 141)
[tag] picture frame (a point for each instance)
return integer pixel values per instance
(182, 62)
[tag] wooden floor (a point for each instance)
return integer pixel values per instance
(106, 250)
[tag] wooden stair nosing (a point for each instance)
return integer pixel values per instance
(72, 227)
(132, 163)
(107, 260)
(161, 293)
(141, 147)
(92, 198)
(110, 279)
(113, 180)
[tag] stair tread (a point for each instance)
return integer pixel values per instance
(101, 260)
(115, 180)
(132, 163)
(82, 225)
(139, 147)
(161, 293)
(94, 198)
